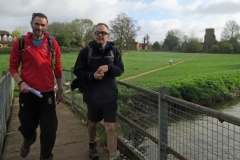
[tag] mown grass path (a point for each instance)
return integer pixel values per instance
(158, 69)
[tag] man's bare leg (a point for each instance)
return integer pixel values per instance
(111, 138)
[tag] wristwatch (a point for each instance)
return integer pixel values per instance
(20, 82)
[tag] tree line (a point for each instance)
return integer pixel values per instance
(79, 32)
(123, 28)
(177, 41)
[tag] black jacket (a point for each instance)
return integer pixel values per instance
(99, 91)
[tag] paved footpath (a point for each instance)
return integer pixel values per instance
(71, 142)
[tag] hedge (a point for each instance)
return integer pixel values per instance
(5, 50)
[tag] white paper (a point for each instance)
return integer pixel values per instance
(35, 92)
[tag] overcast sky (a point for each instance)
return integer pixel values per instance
(155, 17)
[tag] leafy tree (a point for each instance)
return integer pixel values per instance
(230, 30)
(59, 31)
(63, 39)
(23, 30)
(78, 33)
(176, 32)
(81, 31)
(226, 47)
(156, 46)
(171, 43)
(235, 44)
(16, 33)
(124, 30)
(215, 49)
(194, 46)
(149, 46)
(19, 31)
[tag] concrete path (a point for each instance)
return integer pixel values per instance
(71, 143)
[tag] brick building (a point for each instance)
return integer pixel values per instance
(140, 46)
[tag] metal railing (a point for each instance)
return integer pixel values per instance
(153, 125)
(196, 132)
(6, 99)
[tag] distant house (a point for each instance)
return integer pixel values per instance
(140, 46)
(6, 40)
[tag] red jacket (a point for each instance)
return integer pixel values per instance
(36, 69)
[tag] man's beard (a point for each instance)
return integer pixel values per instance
(38, 32)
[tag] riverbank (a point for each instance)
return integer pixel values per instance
(207, 91)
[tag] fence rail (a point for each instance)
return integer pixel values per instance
(153, 125)
(6, 98)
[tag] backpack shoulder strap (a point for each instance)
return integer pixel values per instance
(89, 53)
(21, 46)
(50, 43)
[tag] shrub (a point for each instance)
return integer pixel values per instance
(6, 50)
(206, 91)
(215, 49)
(226, 47)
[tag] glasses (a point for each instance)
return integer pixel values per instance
(102, 33)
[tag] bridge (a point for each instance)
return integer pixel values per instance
(150, 126)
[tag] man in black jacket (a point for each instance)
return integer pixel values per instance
(99, 87)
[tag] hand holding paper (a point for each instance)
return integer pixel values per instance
(35, 92)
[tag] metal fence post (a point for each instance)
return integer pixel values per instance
(72, 92)
(64, 80)
(8, 95)
(162, 123)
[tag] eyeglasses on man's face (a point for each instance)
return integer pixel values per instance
(102, 33)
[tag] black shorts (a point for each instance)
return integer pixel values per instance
(107, 111)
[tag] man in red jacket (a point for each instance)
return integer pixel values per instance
(37, 71)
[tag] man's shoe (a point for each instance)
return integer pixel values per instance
(93, 154)
(25, 148)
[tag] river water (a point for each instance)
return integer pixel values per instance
(201, 137)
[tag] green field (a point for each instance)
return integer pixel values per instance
(194, 66)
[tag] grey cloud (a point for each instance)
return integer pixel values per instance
(218, 8)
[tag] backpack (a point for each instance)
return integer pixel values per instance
(77, 82)
(50, 43)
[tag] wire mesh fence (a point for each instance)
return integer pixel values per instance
(197, 132)
(138, 120)
(6, 97)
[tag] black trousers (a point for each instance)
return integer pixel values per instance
(34, 111)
